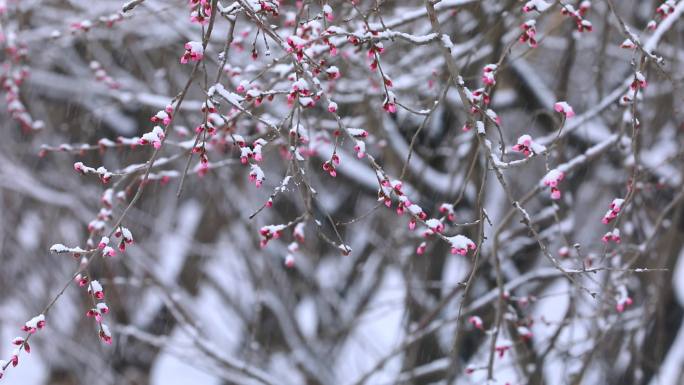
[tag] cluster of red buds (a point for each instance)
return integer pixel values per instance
(256, 175)
(325, 36)
(102, 76)
(460, 244)
(612, 213)
(477, 96)
(374, 53)
(30, 327)
(154, 137)
(267, 7)
(329, 166)
(293, 247)
(613, 236)
(12, 75)
(126, 237)
(665, 9)
(552, 179)
(201, 11)
(662, 12)
(103, 173)
(246, 152)
(300, 91)
(529, 33)
(638, 82)
(623, 299)
(164, 116)
(583, 25)
(34, 324)
(96, 291)
(107, 250)
(489, 74)
(296, 45)
(270, 232)
(447, 209)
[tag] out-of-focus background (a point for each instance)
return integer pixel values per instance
(195, 299)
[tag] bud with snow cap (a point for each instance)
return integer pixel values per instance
(390, 103)
(628, 44)
(460, 244)
(420, 250)
(639, 81)
(95, 289)
(108, 251)
(82, 280)
(528, 146)
(360, 148)
(104, 241)
(564, 108)
(524, 332)
(298, 232)
(194, 51)
(105, 334)
(103, 308)
(328, 12)
(333, 73)
(536, 5)
(623, 299)
(289, 261)
(107, 198)
(476, 322)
